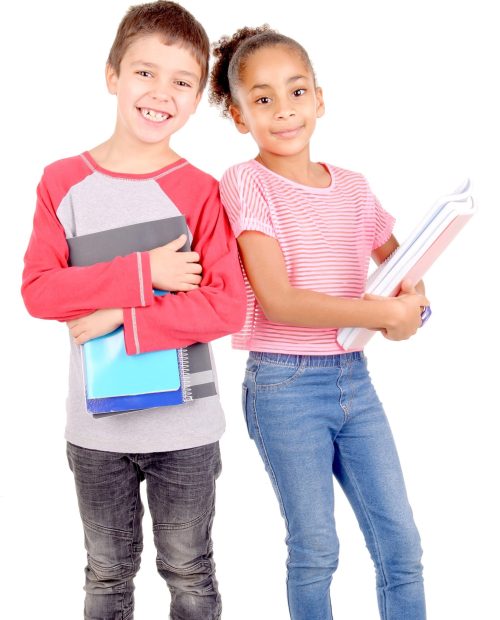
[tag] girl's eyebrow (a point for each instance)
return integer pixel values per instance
(294, 78)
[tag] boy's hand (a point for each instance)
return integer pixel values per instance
(97, 324)
(172, 270)
(403, 313)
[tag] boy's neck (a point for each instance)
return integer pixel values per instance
(119, 156)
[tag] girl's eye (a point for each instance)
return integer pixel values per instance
(183, 84)
(299, 92)
(263, 100)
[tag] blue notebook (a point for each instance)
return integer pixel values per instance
(116, 382)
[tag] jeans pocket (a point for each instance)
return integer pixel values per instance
(272, 376)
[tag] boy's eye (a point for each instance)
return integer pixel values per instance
(263, 100)
(299, 92)
(183, 84)
(145, 73)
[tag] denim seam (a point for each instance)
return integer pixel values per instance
(105, 568)
(181, 526)
(353, 480)
(341, 391)
(268, 461)
(350, 395)
(274, 387)
(175, 569)
(95, 527)
(134, 513)
(259, 433)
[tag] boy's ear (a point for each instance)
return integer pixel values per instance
(238, 119)
(111, 79)
(320, 103)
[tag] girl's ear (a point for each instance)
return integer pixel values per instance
(320, 103)
(238, 119)
(111, 79)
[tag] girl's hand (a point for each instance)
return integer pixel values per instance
(403, 312)
(173, 270)
(97, 324)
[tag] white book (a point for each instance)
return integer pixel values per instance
(412, 258)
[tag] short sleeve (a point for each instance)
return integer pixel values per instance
(245, 202)
(384, 223)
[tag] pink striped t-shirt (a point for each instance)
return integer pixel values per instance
(326, 235)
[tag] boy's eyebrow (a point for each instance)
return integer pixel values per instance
(152, 65)
(294, 78)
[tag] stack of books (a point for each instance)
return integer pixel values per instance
(414, 257)
(114, 381)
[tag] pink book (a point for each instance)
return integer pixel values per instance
(414, 257)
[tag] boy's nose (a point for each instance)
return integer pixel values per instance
(160, 91)
(160, 95)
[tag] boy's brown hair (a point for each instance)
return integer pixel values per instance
(172, 22)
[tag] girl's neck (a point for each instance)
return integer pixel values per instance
(118, 155)
(298, 168)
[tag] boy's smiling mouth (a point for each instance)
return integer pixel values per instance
(154, 115)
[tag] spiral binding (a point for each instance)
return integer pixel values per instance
(183, 357)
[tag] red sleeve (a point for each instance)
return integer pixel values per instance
(52, 290)
(215, 309)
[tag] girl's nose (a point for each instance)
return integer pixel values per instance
(284, 109)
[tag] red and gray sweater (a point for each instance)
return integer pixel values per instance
(77, 197)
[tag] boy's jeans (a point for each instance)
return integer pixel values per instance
(181, 495)
(309, 416)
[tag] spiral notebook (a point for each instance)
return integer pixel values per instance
(116, 382)
(414, 257)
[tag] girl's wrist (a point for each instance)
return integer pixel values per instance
(386, 314)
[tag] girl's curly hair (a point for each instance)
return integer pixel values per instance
(230, 56)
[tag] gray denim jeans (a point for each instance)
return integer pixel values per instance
(181, 495)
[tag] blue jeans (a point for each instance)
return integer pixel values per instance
(181, 495)
(311, 416)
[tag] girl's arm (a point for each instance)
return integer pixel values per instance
(263, 260)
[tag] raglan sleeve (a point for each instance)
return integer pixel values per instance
(245, 202)
(213, 310)
(51, 289)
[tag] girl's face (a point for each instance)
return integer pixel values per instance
(278, 102)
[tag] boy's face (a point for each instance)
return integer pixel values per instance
(157, 90)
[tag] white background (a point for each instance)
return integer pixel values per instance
(412, 101)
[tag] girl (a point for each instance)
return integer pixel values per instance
(306, 232)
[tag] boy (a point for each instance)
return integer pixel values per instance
(157, 68)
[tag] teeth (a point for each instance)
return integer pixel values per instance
(153, 116)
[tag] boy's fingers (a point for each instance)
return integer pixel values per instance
(191, 257)
(176, 244)
(193, 268)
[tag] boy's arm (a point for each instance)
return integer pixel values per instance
(53, 290)
(215, 309)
